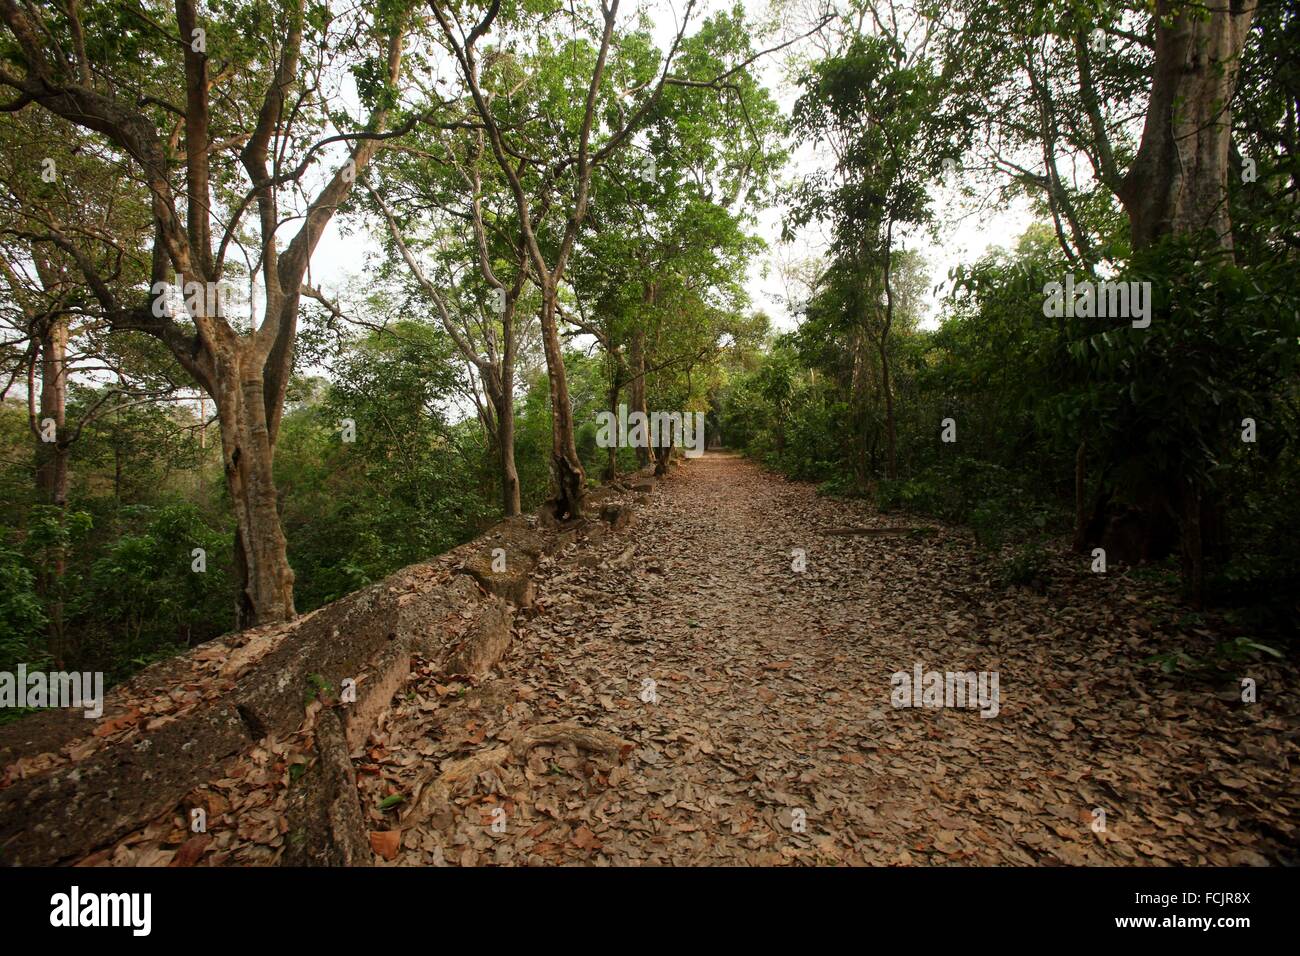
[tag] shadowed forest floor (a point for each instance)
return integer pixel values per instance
(768, 734)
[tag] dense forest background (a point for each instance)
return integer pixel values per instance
(555, 209)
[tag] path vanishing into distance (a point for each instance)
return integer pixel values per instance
(755, 702)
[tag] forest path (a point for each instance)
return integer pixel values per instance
(768, 734)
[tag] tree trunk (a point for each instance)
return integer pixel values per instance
(52, 457)
(636, 387)
(1081, 497)
(615, 386)
(1178, 183)
(663, 454)
(570, 480)
(891, 462)
(860, 441)
(510, 502)
(52, 476)
(261, 553)
(1193, 547)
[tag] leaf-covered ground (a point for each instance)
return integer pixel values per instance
(768, 734)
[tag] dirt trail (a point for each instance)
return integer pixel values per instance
(768, 733)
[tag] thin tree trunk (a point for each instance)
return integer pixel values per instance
(52, 457)
(52, 476)
(570, 479)
(890, 436)
(1193, 547)
(1081, 497)
(860, 443)
(615, 386)
(636, 387)
(510, 495)
(510, 501)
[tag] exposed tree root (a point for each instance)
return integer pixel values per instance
(437, 786)
(584, 738)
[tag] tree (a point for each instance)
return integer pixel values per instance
(876, 103)
(242, 132)
(1178, 182)
(482, 317)
(550, 137)
(52, 328)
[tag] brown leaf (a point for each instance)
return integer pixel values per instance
(191, 850)
(113, 724)
(584, 839)
(386, 843)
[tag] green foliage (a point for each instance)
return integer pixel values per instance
(22, 612)
(1026, 568)
(1151, 407)
(145, 598)
(412, 484)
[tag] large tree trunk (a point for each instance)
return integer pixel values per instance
(570, 480)
(261, 553)
(1178, 186)
(1178, 183)
(663, 455)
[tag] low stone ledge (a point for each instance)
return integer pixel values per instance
(485, 643)
(615, 515)
(335, 644)
(326, 826)
(87, 804)
(384, 676)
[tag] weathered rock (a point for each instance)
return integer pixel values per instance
(383, 677)
(326, 826)
(513, 584)
(78, 807)
(615, 515)
(502, 559)
(43, 733)
(486, 641)
(598, 496)
(333, 644)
